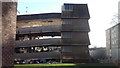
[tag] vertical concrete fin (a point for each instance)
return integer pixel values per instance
(7, 34)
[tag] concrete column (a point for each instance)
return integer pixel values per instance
(119, 45)
(7, 33)
(119, 12)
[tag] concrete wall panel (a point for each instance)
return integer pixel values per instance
(39, 42)
(41, 55)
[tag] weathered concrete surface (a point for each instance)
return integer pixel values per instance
(7, 33)
(75, 38)
(40, 55)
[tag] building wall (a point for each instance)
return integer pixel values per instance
(7, 33)
(75, 25)
(75, 28)
(113, 43)
(38, 42)
(79, 38)
(30, 33)
(108, 43)
(77, 52)
(119, 32)
(36, 23)
(40, 55)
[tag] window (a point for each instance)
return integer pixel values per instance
(67, 8)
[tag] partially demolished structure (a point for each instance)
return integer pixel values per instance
(59, 36)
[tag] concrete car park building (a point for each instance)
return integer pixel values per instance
(62, 37)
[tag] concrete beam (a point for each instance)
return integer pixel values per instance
(38, 42)
(41, 29)
(40, 55)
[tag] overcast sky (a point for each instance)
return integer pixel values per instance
(101, 12)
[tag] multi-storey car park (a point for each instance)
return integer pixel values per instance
(60, 37)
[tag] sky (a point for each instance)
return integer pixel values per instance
(101, 13)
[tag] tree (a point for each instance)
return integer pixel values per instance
(114, 20)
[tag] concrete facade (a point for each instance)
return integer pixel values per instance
(68, 37)
(75, 30)
(30, 38)
(7, 33)
(112, 43)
